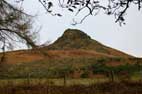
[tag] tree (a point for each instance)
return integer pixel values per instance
(118, 8)
(15, 26)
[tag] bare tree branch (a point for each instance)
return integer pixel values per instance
(110, 7)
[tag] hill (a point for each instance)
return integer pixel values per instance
(72, 44)
(74, 39)
(74, 51)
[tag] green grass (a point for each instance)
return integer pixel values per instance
(57, 82)
(55, 68)
(60, 81)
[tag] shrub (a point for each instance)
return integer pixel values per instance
(85, 74)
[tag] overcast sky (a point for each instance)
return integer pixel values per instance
(102, 28)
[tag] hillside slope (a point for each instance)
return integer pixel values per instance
(74, 39)
(72, 44)
(74, 51)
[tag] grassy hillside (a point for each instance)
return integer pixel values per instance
(76, 39)
(73, 43)
(74, 52)
(74, 67)
(77, 64)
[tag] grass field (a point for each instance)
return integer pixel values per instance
(73, 86)
(57, 82)
(19, 79)
(69, 81)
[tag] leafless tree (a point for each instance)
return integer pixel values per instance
(15, 26)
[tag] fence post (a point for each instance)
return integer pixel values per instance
(112, 75)
(65, 79)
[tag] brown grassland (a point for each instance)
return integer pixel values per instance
(124, 87)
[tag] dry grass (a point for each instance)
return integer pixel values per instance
(25, 56)
(98, 88)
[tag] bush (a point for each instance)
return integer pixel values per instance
(84, 75)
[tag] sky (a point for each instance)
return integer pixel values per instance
(127, 38)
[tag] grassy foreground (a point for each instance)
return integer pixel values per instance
(55, 82)
(106, 87)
